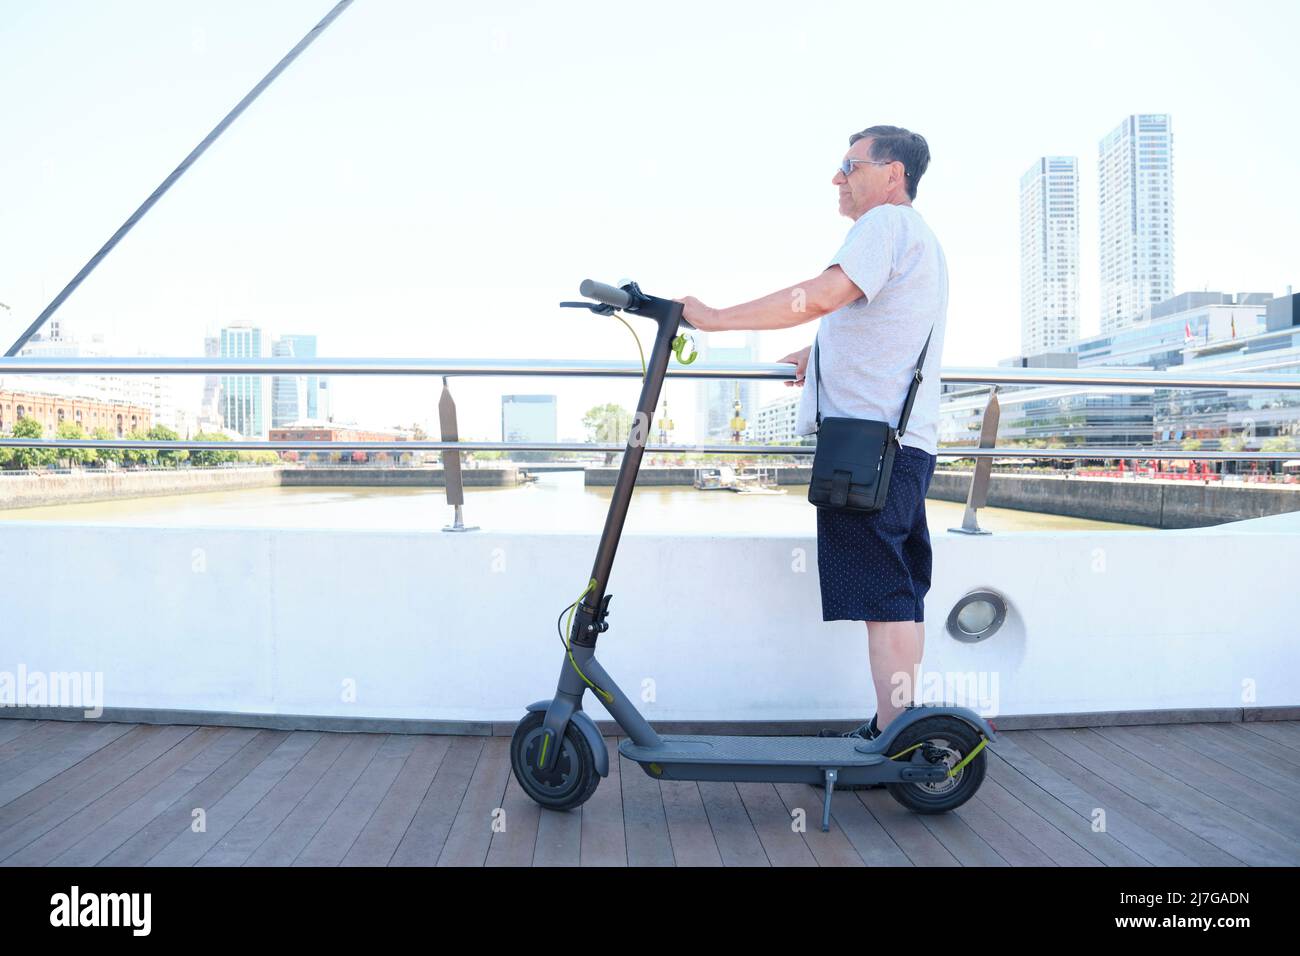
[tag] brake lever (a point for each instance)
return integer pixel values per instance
(599, 308)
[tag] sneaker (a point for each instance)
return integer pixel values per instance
(868, 731)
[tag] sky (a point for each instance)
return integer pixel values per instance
(430, 179)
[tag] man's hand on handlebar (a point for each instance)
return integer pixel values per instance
(700, 315)
(800, 362)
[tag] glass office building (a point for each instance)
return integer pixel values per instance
(244, 397)
(294, 397)
(1235, 419)
(1212, 331)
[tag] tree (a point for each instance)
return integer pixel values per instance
(137, 456)
(72, 431)
(211, 457)
(166, 456)
(607, 424)
(259, 457)
(472, 456)
(24, 458)
(104, 454)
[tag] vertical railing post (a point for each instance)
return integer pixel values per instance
(451, 460)
(978, 496)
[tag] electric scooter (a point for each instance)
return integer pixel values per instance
(929, 757)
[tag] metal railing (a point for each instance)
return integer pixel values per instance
(776, 371)
(451, 448)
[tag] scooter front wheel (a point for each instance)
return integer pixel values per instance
(939, 740)
(572, 779)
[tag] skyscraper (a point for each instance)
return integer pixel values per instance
(304, 346)
(243, 397)
(210, 407)
(1049, 254)
(287, 394)
(1136, 226)
(293, 397)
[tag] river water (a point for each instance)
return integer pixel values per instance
(557, 501)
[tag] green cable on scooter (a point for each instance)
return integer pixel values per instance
(619, 316)
(568, 648)
(952, 772)
(679, 345)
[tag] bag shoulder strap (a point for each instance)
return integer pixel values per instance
(817, 361)
(911, 389)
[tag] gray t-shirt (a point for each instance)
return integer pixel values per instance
(869, 348)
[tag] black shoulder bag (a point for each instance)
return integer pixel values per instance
(855, 455)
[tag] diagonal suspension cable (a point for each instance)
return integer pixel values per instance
(176, 174)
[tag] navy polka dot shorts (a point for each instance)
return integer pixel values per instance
(876, 567)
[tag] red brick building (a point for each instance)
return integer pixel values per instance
(315, 431)
(119, 418)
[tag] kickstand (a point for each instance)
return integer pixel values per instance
(831, 776)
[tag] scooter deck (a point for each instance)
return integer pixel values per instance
(757, 751)
(773, 759)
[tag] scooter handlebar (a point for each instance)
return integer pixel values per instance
(605, 294)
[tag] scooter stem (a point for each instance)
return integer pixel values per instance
(589, 619)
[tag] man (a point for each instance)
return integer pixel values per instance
(883, 292)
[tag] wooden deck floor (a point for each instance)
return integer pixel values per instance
(1214, 794)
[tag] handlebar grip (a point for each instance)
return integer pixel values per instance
(605, 294)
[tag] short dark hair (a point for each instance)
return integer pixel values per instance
(898, 145)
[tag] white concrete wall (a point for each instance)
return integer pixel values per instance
(462, 626)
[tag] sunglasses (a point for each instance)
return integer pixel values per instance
(846, 167)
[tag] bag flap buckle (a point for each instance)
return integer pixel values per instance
(839, 495)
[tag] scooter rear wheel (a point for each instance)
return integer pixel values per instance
(945, 740)
(573, 778)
